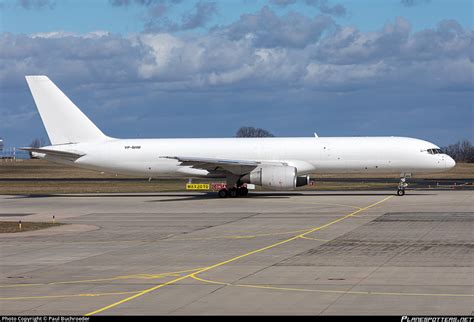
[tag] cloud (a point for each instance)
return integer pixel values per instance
(29, 4)
(348, 45)
(201, 14)
(199, 17)
(282, 3)
(270, 30)
(322, 5)
(146, 3)
(69, 58)
(156, 21)
(261, 50)
(412, 3)
(396, 43)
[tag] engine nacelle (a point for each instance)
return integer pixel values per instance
(273, 177)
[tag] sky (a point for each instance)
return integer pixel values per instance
(200, 68)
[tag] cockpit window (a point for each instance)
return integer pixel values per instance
(434, 151)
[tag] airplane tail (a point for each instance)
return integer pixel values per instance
(63, 120)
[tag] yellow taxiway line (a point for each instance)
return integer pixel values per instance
(268, 287)
(122, 277)
(69, 295)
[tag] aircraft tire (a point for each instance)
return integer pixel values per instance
(243, 191)
(222, 193)
(233, 193)
(400, 192)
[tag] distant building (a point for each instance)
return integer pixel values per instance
(1, 144)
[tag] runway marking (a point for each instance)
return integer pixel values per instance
(238, 236)
(302, 202)
(135, 276)
(320, 203)
(146, 291)
(329, 291)
(317, 239)
(62, 296)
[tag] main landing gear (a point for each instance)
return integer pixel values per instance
(238, 188)
(233, 192)
(402, 186)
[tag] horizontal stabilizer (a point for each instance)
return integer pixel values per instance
(55, 153)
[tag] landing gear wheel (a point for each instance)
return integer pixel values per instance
(233, 192)
(222, 193)
(401, 186)
(243, 191)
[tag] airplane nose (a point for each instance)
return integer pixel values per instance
(450, 163)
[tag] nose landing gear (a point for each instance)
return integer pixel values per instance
(402, 186)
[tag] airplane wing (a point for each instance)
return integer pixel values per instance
(72, 156)
(237, 167)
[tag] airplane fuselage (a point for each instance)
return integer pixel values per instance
(144, 157)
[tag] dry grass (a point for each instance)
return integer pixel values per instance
(13, 227)
(60, 187)
(38, 169)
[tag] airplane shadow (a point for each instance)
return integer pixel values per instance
(213, 195)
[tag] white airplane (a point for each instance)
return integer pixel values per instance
(273, 163)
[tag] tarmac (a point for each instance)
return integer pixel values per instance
(294, 253)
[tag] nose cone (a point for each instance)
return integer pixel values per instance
(450, 163)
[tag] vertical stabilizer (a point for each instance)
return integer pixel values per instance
(63, 120)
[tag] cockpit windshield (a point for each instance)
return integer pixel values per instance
(434, 151)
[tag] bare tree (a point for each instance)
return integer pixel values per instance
(462, 151)
(252, 132)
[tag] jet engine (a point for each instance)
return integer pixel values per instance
(276, 178)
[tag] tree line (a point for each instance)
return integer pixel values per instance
(462, 151)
